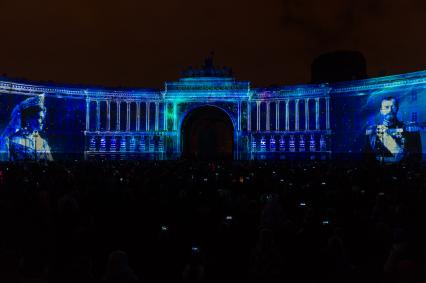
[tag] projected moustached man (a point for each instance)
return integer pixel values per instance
(392, 140)
(22, 135)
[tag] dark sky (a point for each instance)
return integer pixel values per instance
(139, 43)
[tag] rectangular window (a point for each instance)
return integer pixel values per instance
(414, 95)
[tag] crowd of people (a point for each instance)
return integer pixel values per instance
(189, 221)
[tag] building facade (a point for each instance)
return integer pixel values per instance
(307, 121)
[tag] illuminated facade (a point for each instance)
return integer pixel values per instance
(277, 122)
(265, 121)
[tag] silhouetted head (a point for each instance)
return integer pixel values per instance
(117, 261)
(32, 118)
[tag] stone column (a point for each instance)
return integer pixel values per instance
(248, 116)
(287, 115)
(239, 116)
(157, 108)
(277, 115)
(258, 116)
(118, 104)
(306, 114)
(98, 115)
(108, 124)
(138, 116)
(147, 116)
(128, 116)
(174, 116)
(268, 116)
(87, 114)
(296, 114)
(165, 116)
(327, 113)
(177, 148)
(317, 125)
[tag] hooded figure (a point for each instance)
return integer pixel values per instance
(21, 139)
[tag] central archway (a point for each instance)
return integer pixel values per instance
(207, 133)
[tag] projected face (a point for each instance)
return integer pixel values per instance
(38, 122)
(388, 111)
(34, 119)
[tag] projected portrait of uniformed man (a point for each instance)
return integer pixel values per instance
(23, 136)
(392, 140)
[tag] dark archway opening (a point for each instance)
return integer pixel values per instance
(207, 134)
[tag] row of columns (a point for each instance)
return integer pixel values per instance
(249, 126)
(287, 115)
(118, 115)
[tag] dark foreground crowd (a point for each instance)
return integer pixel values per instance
(181, 221)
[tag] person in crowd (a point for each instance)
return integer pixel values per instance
(118, 269)
(304, 221)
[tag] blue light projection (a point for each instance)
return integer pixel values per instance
(322, 143)
(92, 146)
(302, 143)
(272, 144)
(262, 144)
(123, 144)
(142, 146)
(312, 146)
(103, 144)
(253, 145)
(113, 144)
(161, 144)
(381, 117)
(292, 144)
(151, 145)
(132, 145)
(282, 143)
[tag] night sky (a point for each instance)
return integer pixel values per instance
(142, 44)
